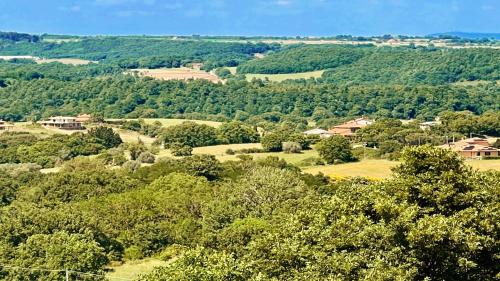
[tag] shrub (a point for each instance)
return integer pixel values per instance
(146, 157)
(179, 150)
(131, 165)
(292, 147)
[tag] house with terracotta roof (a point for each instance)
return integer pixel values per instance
(63, 122)
(473, 148)
(349, 129)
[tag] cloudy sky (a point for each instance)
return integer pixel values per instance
(249, 17)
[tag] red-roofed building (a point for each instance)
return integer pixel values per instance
(349, 129)
(473, 148)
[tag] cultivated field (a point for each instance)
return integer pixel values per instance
(43, 60)
(182, 73)
(283, 77)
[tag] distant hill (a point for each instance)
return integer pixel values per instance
(16, 37)
(468, 35)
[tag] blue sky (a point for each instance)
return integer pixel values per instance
(249, 17)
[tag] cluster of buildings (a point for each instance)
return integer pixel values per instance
(67, 122)
(347, 129)
(468, 148)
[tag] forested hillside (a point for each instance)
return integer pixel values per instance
(375, 65)
(132, 97)
(141, 52)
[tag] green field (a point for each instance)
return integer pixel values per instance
(283, 77)
(380, 169)
(132, 269)
(219, 151)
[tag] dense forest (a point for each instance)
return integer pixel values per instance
(137, 97)
(142, 52)
(389, 65)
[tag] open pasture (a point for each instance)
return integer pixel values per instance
(287, 76)
(381, 169)
(182, 73)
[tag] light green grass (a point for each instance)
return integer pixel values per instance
(381, 169)
(132, 269)
(219, 151)
(172, 122)
(232, 69)
(283, 77)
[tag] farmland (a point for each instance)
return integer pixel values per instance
(182, 73)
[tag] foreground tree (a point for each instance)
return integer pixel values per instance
(335, 149)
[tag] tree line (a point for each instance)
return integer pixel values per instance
(133, 97)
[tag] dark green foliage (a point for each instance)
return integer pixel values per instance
(466, 123)
(132, 98)
(223, 73)
(18, 37)
(237, 132)
(178, 149)
(335, 149)
(361, 64)
(189, 134)
(150, 130)
(132, 52)
(25, 148)
(273, 141)
(106, 136)
(304, 58)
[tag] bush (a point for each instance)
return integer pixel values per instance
(179, 150)
(131, 165)
(189, 134)
(292, 147)
(336, 149)
(230, 152)
(146, 157)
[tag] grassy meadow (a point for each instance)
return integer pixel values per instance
(131, 270)
(283, 77)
